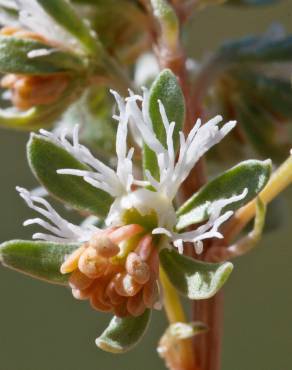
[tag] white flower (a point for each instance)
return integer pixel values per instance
(119, 183)
(31, 16)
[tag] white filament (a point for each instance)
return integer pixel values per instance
(31, 16)
(199, 141)
(101, 176)
(60, 229)
(209, 229)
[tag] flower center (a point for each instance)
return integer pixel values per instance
(151, 208)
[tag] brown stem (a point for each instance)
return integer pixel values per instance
(208, 346)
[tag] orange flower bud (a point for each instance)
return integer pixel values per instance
(91, 264)
(137, 268)
(104, 246)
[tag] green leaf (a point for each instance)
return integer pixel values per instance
(194, 279)
(251, 174)
(124, 15)
(258, 49)
(169, 23)
(41, 260)
(64, 14)
(123, 334)
(259, 127)
(15, 58)
(167, 89)
(45, 158)
(274, 94)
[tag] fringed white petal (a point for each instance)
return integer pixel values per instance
(206, 231)
(6, 17)
(199, 141)
(101, 176)
(62, 230)
(34, 18)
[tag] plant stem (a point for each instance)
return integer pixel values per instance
(280, 180)
(208, 346)
(175, 313)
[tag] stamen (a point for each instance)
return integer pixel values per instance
(79, 281)
(97, 298)
(71, 262)
(81, 295)
(150, 292)
(145, 247)
(103, 245)
(125, 232)
(91, 264)
(115, 298)
(135, 305)
(137, 268)
(126, 285)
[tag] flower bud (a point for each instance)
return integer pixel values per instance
(91, 264)
(71, 262)
(135, 305)
(104, 246)
(150, 293)
(81, 295)
(80, 281)
(145, 247)
(137, 268)
(97, 298)
(114, 297)
(126, 285)
(29, 91)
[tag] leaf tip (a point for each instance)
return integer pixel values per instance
(223, 273)
(108, 346)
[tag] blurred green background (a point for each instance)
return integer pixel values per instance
(43, 328)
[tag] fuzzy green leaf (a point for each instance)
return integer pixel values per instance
(15, 58)
(167, 89)
(259, 127)
(41, 260)
(194, 279)
(251, 174)
(64, 14)
(45, 158)
(258, 50)
(274, 94)
(123, 334)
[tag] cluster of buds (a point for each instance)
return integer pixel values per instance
(31, 90)
(114, 274)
